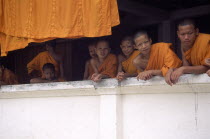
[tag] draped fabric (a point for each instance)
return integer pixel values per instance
(25, 21)
(200, 50)
(162, 58)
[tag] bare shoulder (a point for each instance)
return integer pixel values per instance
(93, 61)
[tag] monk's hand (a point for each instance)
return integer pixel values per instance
(97, 78)
(94, 76)
(168, 77)
(146, 75)
(120, 76)
(208, 72)
(207, 61)
(176, 74)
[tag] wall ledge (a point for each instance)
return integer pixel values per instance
(188, 83)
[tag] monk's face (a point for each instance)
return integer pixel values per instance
(127, 47)
(92, 52)
(49, 74)
(143, 44)
(187, 34)
(102, 49)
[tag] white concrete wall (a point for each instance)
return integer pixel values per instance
(108, 110)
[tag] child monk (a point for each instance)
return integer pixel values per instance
(105, 65)
(7, 77)
(49, 75)
(88, 68)
(126, 67)
(156, 59)
(50, 56)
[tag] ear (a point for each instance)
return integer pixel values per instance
(150, 41)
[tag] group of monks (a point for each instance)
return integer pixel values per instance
(143, 60)
(139, 58)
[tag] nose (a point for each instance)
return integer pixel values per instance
(186, 36)
(143, 45)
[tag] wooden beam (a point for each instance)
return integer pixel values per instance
(190, 12)
(142, 10)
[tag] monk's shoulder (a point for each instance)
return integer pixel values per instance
(43, 54)
(203, 37)
(121, 58)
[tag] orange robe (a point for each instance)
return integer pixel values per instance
(128, 66)
(162, 58)
(9, 77)
(22, 22)
(38, 62)
(109, 66)
(200, 50)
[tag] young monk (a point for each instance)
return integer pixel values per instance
(49, 56)
(156, 59)
(88, 68)
(195, 49)
(126, 67)
(7, 77)
(49, 75)
(105, 65)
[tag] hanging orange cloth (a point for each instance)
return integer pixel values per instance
(200, 50)
(162, 58)
(128, 66)
(38, 62)
(22, 22)
(109, 66)
(8, 77)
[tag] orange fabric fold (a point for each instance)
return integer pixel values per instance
(9, 77)
(109, 66)
(163, 58)
(200, 50)
(128, 66)
(28, 21)
(38, 62)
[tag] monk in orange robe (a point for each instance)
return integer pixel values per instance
(105, 65)
(88, 68)
(156, 59)
(49, 75)
(126, 67)
(49, 56)
(7, 77)
(195, 49)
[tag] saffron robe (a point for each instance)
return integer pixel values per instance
(109, 66)
(162, 58)
(128, 66)
(9, 77)
(38, 62)
(200, 50)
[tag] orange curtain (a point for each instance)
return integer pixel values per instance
(25, 21)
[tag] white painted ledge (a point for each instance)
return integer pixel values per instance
(188, 83)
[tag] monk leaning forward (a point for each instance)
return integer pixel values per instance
(126, 67)
(105, 65)
(156, 59)
(7, 77)
(195, 49)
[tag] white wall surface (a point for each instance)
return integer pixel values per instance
(108, 110)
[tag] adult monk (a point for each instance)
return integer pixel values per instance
(88, 68)
(49, 56)
(105, 65)
(195, 48)
(156, 59)
(7, 77)
(126, 67)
